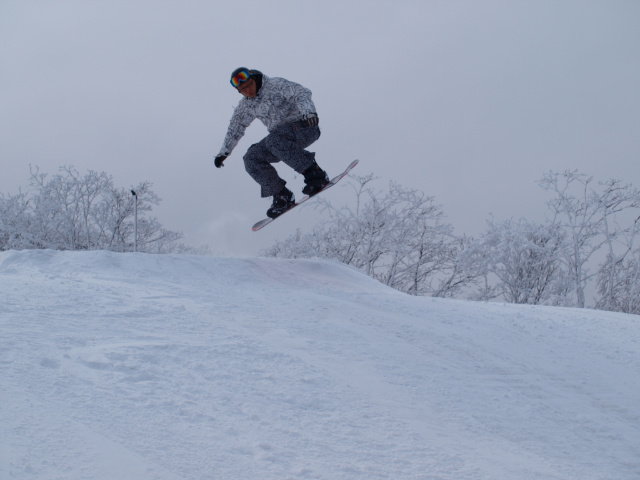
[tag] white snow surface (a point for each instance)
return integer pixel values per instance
(165, 367)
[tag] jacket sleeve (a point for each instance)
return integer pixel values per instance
(301, 96)
(240, 120)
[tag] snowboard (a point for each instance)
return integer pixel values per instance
(267, 221)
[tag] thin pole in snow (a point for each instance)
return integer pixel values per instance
(135, 220)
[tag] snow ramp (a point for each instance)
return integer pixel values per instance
(139, 367)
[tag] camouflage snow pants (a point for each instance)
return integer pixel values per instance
(286, 143)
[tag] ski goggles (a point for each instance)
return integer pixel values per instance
(240, 77)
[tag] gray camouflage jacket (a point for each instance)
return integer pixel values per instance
(278, 102)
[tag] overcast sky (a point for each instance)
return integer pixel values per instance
(468, 101)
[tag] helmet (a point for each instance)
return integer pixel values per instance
(242, 74)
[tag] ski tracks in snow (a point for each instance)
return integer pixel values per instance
(144, 367)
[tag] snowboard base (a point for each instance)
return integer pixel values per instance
(267, 221)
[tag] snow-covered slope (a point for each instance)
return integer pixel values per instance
(139, 367)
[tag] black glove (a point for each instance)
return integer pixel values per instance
(219, 159)
(311, 119)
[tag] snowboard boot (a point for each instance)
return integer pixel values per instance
(315, 178)
(282, 202)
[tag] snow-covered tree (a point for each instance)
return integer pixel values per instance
(619, 239)
(519, 262)
(73, 211)
(590, 216)
(16, 222)
(63, 206)
(620, 291)
(619, 276)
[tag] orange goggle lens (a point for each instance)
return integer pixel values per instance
(239, 78)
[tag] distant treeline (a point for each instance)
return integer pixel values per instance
(400, 237)
(70, 211)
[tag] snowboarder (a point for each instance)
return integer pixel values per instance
(288, 112)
